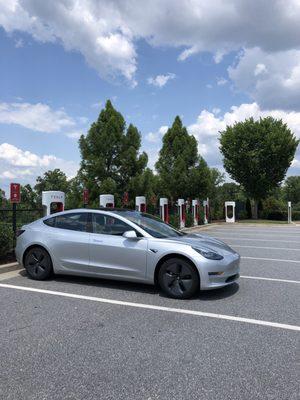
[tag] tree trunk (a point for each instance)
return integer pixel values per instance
(254, 209)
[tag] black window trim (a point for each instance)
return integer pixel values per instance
(88, 227)
(132, 228)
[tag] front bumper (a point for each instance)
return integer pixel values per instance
(217, 274)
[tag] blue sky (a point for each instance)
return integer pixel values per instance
(58, 66)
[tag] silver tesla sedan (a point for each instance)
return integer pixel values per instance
(125, 245)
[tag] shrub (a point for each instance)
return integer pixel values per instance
(174, 220)
(6, 239)
(189, 219)
(295, 215)
(243, 214)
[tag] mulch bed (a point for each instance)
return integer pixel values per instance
(9, 258)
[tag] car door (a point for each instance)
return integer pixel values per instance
(111, 254)
(69, 241)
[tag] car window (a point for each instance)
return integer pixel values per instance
(49, 221)
(72, 221)
(108, 225)
(152, 225)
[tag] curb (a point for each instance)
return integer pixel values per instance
(9, 267)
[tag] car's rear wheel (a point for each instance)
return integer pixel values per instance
(38, 263)
(178, 278)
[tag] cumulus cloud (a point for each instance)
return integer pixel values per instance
(161, 80)
(17, 157)
(272, 79)
(107, 31)
(38, 117)
(208, 125)
(155, 137)
(25, 166)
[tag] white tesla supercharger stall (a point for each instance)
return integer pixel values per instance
(205, 207)
(164, 209)
(181, 212)
(140, 203)
(53, 201)
(230, 211)
(195, 211)
(107, 200)
(289, 212)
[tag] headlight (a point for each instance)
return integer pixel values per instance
(211, 255)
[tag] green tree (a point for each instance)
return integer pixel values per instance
(257, 154)
(29, 197)
(183, 173)
(110, 154)
(51, 180)
(291, 189)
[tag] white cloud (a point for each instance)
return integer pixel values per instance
(74, 135)
(208, 125)
(25, 166)
(272, 79)
(221, 81)
(38, 117)
(154, 137)
(161, 80)
(105, 31)
(7, 175)
(260, 69)
(17, 157)
(208, 86)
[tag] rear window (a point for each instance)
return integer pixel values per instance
(71, 221)
(50, 221)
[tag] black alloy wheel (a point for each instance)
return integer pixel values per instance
(38, 263)
(178, 278)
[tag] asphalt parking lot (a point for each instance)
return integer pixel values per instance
(75, 338)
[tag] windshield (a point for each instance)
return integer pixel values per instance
(152, 225)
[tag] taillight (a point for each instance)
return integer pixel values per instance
(19, 232)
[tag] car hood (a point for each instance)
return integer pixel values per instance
(205, 242)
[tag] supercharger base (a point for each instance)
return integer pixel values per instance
(164, 209)
(140, 204)
(107, 200)
(205, 210)
(289, 212)
(230, 211)
(195, 211)
(181, 212)
(53, 201)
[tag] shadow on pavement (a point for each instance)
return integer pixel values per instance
(208, 295)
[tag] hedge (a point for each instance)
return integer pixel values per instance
(6, 239)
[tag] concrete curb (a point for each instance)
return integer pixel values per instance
(9, 267)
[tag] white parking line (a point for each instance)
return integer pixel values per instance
(268, 279)
(157, 308)
(267, 248)
(269, 259)
(259, 231)
(256, 240)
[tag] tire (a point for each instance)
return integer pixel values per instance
(38, 263)
(178, 278)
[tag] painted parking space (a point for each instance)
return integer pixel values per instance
(112, 331)
(143, 353)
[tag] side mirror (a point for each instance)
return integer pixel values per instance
(130, 235)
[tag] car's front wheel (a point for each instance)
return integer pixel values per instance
(178, 278)
(38, 263)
